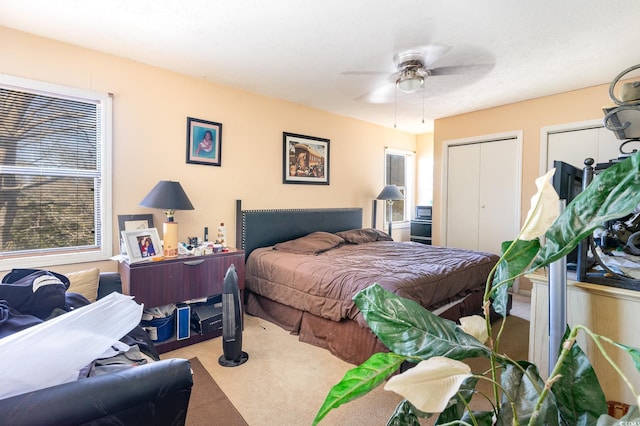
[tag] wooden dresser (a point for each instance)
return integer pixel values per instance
(609, 311)
(177, 280)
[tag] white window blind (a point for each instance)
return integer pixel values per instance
(54, 195)
(399, 171)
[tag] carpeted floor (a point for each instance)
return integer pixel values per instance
(286, 381)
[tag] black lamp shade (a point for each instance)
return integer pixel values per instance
(390, 192)
(167, 195)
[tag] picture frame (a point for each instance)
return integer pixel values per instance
(305, 159)
(142, 245)
(132, 222)
(204, 142)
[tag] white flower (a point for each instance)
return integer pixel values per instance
(544, 209)
(430, 384)
(476, 326)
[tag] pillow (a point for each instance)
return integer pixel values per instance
(365, 235)
(85, 283)
(314, 243)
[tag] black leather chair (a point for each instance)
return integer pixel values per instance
(152, 394)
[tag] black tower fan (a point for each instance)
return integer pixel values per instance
(232, 322)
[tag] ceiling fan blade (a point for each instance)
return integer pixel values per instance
(381, 95)
(433, 52)
(461, 70)
(365, 73)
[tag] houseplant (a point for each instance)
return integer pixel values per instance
(440, 384)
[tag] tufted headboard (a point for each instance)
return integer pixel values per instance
(262, 228)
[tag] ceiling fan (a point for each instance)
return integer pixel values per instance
(413, 67)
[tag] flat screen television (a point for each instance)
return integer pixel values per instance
(567, 181)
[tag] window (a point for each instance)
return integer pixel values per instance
(399, 171)
(55, 191)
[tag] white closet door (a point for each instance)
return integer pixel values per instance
(575, 145)
(463, 196)
(483, 194)
(499, 184)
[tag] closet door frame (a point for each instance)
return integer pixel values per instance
(566, 127)
(517, 136)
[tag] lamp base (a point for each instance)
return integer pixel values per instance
(170, 234)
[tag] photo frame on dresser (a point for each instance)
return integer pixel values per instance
(305, 159)
(142, 245)
(132, 222)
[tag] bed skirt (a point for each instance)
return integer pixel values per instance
(344, 339)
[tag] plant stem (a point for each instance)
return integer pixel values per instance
(511, 401)
(596, 339)
(566, 347)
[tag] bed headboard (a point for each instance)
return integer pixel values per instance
(262, 228)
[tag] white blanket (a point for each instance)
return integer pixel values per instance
(53, 352)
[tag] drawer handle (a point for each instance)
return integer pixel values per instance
(194, 262)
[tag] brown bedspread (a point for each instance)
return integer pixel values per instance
(325, 284)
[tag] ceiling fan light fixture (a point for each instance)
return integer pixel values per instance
(410, 81)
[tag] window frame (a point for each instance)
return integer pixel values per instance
(410, 183)
(104, 251)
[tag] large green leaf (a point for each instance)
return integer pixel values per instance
(481, 418)
(406, 414)
(578, 393)
(523, 389)
(612, 194)
(634, 353)
(516, 257)
(457, 407)
(360, 380)
(408, 329)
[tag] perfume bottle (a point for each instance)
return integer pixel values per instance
(222, 235)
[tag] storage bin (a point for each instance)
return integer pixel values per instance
(160, 329)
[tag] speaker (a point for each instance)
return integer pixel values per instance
(232, 322)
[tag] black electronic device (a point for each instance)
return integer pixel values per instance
(232, 322)
(207, 318)
(567, 180)
(424, 212)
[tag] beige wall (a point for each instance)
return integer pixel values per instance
(424, 169)
(150, 107)
(529, 116)
(149, 127)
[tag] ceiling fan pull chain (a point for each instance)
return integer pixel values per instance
(423, 104)
(395, 107)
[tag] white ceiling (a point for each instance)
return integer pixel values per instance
(304, 50)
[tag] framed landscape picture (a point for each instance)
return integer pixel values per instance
(204, 142)
(305, 159)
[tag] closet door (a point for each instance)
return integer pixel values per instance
(483, 193)
(574, 146)
(463, 196)
(498, 202)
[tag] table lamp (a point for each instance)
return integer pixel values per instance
(390, 193)
(168, 196)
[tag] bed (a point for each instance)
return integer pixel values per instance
(303, 267)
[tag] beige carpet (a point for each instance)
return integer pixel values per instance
(286, 381)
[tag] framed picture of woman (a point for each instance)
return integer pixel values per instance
(204, 142)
